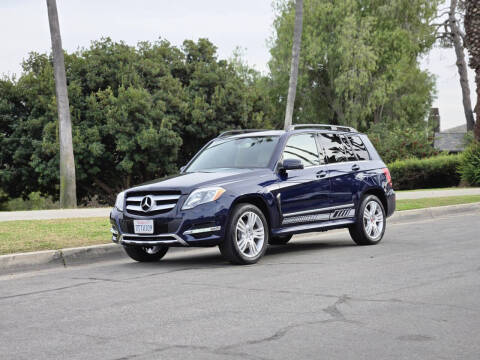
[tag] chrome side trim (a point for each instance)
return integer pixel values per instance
(167, 239)
(153, 208)
(202, 230)
(155, 197)
(306, 218)
(319, 210)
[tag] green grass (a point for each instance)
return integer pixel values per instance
(35, 235)
(410, 204)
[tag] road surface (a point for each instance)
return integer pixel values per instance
(413, 296)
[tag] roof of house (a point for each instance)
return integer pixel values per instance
(456, 129)
(449, 141)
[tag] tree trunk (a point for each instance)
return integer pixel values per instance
(477, 107)
(461, 65)
(68, 195)
(292, 84)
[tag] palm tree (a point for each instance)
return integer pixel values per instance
(68, 192)
(472, 40)
(292, 84)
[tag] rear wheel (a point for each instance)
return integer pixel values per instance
(371, 222)
(280, 240)
(246, 235)
(146, 254)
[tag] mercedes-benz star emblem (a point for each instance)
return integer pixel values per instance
(146, 203)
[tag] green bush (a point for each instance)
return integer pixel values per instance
(469, 167)
(437, 171)
(401, 143)
(35, 201)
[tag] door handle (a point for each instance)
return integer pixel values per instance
(355, 167)
(321, 174)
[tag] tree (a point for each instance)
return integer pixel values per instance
(472, 40)
(292, 85)
(68, 191)
(359, 61)
(138, 113)
(452, 35)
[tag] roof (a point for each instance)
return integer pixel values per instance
(456, 129)
(446, 141)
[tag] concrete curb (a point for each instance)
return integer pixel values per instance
(432, 213)
(40, 260)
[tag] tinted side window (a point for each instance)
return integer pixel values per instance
(334, 148)
(302, 147)
(359, 148)
(348, 149)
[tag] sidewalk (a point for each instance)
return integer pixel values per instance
(421, 194)
(105, 212)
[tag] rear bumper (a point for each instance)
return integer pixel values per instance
(391, 202)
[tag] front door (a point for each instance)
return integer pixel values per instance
(303, 193)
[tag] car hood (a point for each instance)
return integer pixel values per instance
(186, 182)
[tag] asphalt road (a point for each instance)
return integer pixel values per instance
(414, 296)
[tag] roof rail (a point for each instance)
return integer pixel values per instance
(236, 132)
(322, 126)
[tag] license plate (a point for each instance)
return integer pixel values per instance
(143, 226)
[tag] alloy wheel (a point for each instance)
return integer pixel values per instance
(250, 234)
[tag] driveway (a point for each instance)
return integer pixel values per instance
(413, 296)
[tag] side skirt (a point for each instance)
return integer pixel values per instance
(313, 227)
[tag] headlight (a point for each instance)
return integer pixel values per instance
(120, 200)
(202, 196)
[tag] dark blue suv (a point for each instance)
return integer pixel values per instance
(246, 189)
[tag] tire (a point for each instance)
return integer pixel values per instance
(146, 254)
(280, 240)
(369, 230)
(245, 244)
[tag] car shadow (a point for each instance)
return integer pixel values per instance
(211, 256)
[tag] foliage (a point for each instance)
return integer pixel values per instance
(401, 143)
(137, 112)
(34, 201)
(433, 172)
(469, 167)
(358, 62)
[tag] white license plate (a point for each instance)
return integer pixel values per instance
(143, 226)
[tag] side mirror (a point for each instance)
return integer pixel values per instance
(291, 164)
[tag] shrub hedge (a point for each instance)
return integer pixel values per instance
(433, 172)
(469, 167)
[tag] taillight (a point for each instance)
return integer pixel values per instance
(387, 175)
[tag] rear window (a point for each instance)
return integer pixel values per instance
(348, 149)
(335, 151)
(359, 148)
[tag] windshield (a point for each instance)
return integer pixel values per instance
(245, 152)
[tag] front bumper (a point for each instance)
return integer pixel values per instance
(201, 226)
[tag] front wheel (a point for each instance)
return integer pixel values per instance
(146, 254)
(246, 235)
(371, 222)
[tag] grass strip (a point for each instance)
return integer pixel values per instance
(411, 204)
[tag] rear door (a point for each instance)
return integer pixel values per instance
(342, 166)
(304, 192)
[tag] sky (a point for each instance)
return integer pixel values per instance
(228, 24)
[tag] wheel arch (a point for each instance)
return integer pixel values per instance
(379, 193)
(259, 201)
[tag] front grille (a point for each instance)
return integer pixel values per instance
(160, 202)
